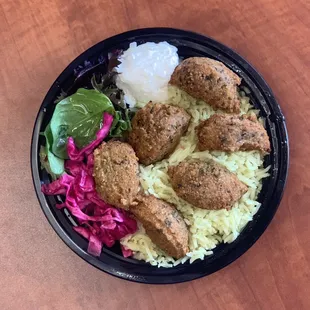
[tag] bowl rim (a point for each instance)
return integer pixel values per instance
(35, 164)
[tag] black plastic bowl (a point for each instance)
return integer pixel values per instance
(188, 44)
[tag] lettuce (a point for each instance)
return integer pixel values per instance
(78, 116)
(52, 164)
(104, 83)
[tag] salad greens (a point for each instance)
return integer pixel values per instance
(104, 83)
(52, 164)
(78, 116)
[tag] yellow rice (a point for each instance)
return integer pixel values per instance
(207, 228)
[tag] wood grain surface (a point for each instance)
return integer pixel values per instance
(37, 40)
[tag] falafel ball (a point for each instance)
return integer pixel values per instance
(156, 131)
(116, 173)
(207, 185)
(208, 80)
(163, 224)
(222, 132)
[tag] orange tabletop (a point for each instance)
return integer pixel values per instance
(37, 40)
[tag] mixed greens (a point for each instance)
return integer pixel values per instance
(104, 83)
(80, 116)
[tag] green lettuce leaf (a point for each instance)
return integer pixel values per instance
(51, 163)
(78, 116)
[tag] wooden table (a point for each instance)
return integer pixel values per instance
(37, 40)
